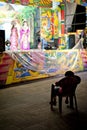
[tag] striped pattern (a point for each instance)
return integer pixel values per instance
(57, 0)
(40, 3)
(45, 3)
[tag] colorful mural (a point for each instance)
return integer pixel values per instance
(56, 22)
(17, 22)
(34, 64)
(46, 24)
(40, 3)
(50, 24)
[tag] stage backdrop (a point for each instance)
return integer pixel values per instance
(12, 18)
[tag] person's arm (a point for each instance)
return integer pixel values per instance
(58, 83)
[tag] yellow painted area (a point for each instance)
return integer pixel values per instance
(62, 60)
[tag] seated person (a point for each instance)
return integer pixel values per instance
(62, 86)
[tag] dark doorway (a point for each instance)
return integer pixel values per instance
(2, 40)
(79, 20)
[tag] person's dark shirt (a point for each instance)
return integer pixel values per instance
(69, 82)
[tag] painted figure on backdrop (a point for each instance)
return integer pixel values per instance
(39, 46)
(14, 37)
(24, 36)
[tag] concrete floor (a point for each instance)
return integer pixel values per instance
(26, 107)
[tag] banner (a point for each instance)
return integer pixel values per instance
(39, 3)
(45, 63)
(34, 64)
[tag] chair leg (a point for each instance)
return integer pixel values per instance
(76, 103)
(60, 104)
(51, 103)
(71, 102)
(66, 100)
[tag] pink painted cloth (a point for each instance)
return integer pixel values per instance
(24, 39)
(14, 39)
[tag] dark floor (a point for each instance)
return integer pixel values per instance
(26, 107)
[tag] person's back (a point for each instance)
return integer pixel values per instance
(67, 84)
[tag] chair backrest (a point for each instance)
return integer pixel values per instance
(69, 85)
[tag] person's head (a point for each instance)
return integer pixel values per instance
(25, 23)
(13, 23)
(69, 73)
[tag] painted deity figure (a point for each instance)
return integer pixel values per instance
(24, 37)
(14, 37)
